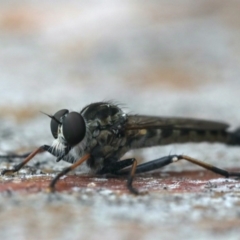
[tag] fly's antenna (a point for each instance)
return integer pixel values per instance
(52, 117)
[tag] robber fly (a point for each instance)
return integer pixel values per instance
(101, 133)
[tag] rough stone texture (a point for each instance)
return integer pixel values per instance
(165, 58)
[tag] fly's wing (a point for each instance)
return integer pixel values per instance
(154, 122)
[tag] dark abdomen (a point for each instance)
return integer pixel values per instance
(154, 137)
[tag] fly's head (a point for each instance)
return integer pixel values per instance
(68, 128)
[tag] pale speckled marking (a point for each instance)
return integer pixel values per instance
(143, 131)
(175, 159)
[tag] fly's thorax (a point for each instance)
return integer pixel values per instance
(106, 124)
(105, 143)
(104, 114)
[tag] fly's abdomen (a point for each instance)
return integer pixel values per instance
(154, 137)
(234, 137)
(186, 135)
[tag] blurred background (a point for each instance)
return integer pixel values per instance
(165, 57)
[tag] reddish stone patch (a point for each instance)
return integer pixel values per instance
(186, 181)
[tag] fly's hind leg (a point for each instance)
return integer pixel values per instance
(152, 165)
(210, 167)
(164, 161)
(123, 168)
(145, 167)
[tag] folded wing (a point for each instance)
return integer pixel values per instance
(154, 122)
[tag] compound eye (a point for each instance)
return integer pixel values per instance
(55, 121)
(74, 128)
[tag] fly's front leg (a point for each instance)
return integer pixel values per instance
(13, 155)
(111, 167)
(29, 156)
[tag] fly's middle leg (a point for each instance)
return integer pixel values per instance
(116, 167)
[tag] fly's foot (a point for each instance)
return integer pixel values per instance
(8, 172)
(50, 189)
(142, 193)
(133, 190)
(136, 192)
(16, 168)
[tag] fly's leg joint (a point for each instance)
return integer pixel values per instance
(176, 158)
